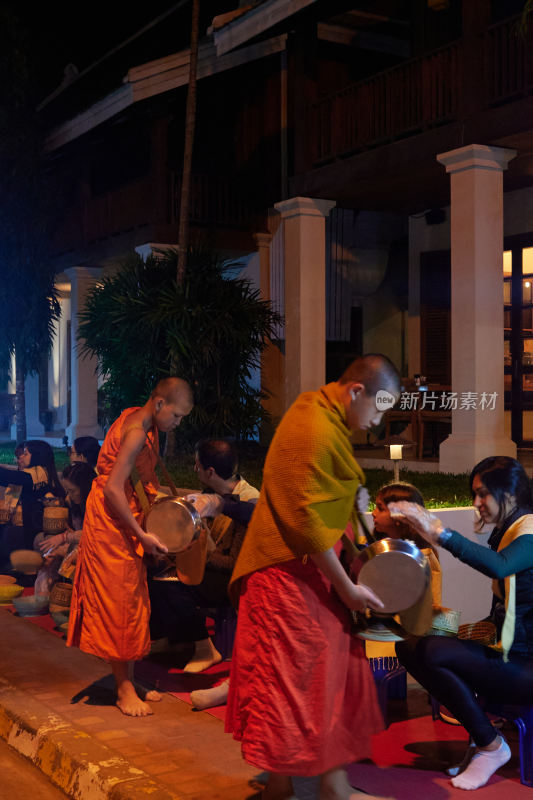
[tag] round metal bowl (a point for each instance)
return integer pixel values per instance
(175, 521)
(396, 570)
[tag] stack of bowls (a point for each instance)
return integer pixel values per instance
(9, 589)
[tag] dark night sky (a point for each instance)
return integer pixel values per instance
(61, 32)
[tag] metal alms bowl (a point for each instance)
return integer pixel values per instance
(175, 521)
(396, 570)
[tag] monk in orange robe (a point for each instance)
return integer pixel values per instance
(110, 608)
(302, 699)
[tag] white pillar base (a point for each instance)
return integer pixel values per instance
(74, 431)
(460, 454)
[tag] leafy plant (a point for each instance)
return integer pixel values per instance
(212, 327)
(28, 297)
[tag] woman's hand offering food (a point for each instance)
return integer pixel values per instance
(207, 505)
(362, 500)
(426, 524)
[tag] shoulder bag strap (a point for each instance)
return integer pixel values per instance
(164, 470)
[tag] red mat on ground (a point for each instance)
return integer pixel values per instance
(409, 759)
(180, 684)
(161, 674)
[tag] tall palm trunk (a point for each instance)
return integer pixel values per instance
(183, 230)
(190, 124)
(20, 403)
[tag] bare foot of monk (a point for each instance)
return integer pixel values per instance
(149, 695)
(334, 785)
(279, 787)
(129, 702)
(205, 655)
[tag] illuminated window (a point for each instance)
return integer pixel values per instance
(508, 262)
(527, 261)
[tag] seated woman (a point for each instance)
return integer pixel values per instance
(85, 450)
(77, 480)
(455, 671)
(59, 549)
(36, 482)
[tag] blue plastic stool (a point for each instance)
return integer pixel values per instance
(522, 716)
(225, 619)
(391, 681)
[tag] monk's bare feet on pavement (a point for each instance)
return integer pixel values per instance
(334, 785)
(129, 702)
(278, 787)
(153, 696)
(149, 695)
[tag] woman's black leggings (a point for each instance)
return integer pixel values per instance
(455, 670)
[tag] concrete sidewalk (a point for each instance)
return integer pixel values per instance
(56, 708)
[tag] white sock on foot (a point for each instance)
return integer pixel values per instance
(484, 764)
(208, 698)
(455, 769)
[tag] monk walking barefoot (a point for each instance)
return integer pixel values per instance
(302, 700)
(110, 607)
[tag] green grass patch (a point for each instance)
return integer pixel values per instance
(438, 489)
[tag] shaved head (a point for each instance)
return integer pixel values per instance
(375, 371)
(174, 390)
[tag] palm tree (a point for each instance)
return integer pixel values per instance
(212, 327)
(28, 299)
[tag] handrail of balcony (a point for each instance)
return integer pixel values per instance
(409, 97)
(213, 201)
(507, 62)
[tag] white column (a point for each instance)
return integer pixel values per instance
(477, 304)
(34, 427)
(153, 249)
(84, 381)
(305, 293)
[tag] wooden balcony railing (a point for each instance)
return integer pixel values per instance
(214, 201)
(118, 211)
(411, 97)
(508, 61)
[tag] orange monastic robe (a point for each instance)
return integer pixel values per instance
(110, 608)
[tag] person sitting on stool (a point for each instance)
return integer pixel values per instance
(175, 605)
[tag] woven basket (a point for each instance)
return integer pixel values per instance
(8, 515)
(482, 632)
(5, 513)
(55, 519)
(27, 561)
(60, 597)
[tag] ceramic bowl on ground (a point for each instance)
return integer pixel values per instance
(8, 592)
(26, 561)
(60, 618)
(31, 606)
(7, 579)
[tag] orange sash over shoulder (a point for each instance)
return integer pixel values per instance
(309, 485)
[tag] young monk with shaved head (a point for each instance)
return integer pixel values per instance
(110, 607)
